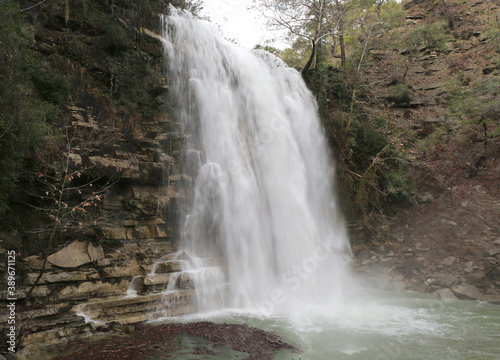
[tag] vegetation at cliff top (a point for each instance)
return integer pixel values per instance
(333, 43)
(56, 58)
(29, 99)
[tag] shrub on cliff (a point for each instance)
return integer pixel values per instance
(429, 36)
(23, 114)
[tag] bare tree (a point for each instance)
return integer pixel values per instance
(313, 20)
(306, 19)
(65, 190)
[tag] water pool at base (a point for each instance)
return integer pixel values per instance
(381, 326)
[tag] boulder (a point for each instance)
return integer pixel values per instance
(493, 252)
(36, 263)
(467, 292)
(420, 247)
(95, 252)
(168, 267)
(76, 254)
(425, 198)
(448, 261)
(445, 294)
(475, 277)
(469, 267)
(492, 299)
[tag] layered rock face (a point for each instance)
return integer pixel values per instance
(120, 136)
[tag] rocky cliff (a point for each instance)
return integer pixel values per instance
(118, 138)
(115, 158)
(441, 85)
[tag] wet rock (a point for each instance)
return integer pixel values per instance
(151, 34)
(383, 282)
(87, 290)
(168, 267)
(124, 328)
(156, 279)
(445, 294)
(467, 292)
(76, 254)
(492, 299)
(398, 285)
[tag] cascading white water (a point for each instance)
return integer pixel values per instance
(264, 207)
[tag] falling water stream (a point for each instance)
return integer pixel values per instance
(263, 240)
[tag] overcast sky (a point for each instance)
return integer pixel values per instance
(237, 22)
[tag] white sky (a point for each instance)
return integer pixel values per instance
(237, 21)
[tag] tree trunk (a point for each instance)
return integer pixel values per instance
(342, 51)
(341, 40)
(311, 59)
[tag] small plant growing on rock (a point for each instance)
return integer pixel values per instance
(401, 94)
(448, 10)
(427, 37)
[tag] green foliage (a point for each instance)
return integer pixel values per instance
(401, 93)
(429, 36)
(52, 86)
(297, 55)
(193, 6)
(23, 114)
(392, 13)
(477, 106)
(355, 51)
(428, 143)
(114, 39)
(493, 33)
(371, 150)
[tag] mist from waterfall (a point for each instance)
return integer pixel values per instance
(264, 231)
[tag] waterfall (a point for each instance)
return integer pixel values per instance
(264, 211)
